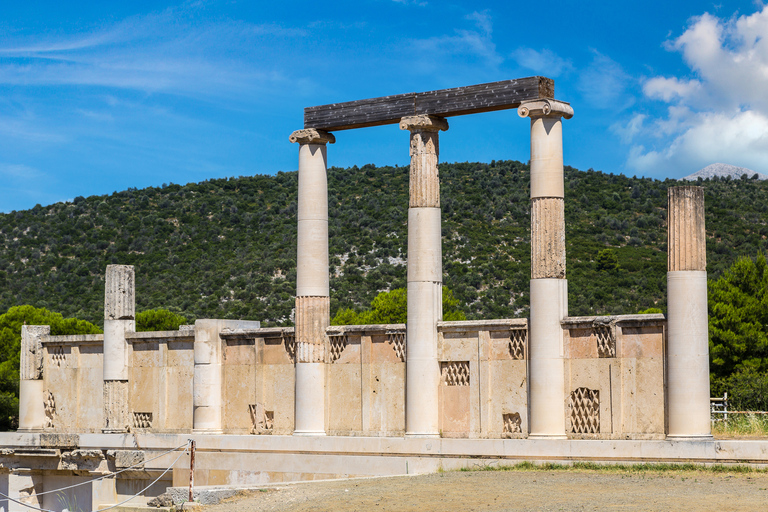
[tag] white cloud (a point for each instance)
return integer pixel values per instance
(717, 114)
(605, 84)
(541, 61)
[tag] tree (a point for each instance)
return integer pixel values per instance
(10, 348)
(738, 318)
(392, 308)
(607, 260)
(158, 320)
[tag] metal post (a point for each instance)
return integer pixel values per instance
(191, 467)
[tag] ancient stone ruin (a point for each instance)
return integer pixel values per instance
(320, 401)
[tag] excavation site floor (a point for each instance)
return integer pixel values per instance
(516, 490)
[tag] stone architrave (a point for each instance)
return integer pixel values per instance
(312, 281)
(425, 277)
(549, 287)
(687, 320)
(31, 386)
(119, 319)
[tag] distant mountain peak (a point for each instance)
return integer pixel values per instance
(722, 171)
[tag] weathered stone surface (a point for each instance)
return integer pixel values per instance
(59, 440)
(547, 238)
(119, 293)
(127, 458)
(116, 406)
(81, 459)
(31, 367)
(312, 319)
(687, 244)
(312, 136)
(425, 150)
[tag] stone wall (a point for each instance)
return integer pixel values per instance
(614, 379)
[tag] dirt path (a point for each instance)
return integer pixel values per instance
(517, 490)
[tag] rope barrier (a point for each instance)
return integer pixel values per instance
(186, 446)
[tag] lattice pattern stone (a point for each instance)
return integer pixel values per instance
(397, 340)
(289, 342)
(142, 420)
(58, 357)
(50, 409)
(262, 421)
(518, 339)
(455, 373)
(337, 342)
(606, 340)
(584, 404)
(512, 423)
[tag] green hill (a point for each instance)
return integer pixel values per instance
(226, 248)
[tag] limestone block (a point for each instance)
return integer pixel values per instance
(593, 374)
(344, 399)
(454, 410)
(580, 343)
(641, 342)
(384, 350)
(88, 460)
(347, 348)
(144, 388)
(278, 396)
(179, 397)
(458, 346)
(547, 238)
(31, 405)
(31, 355)
(119, 293)
(425, 253)
(508, 396)
(312, 319)
(91, 356)
(90, 399)
(146, 354)
(273, 351)
(687, 238)
(239, 352)
(239, 395)
(26, 486)
(387, 400)
(116, 406)
(181, 353)
(127, 458)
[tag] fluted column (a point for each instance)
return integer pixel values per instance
(312, 288)
(549, 287)
(687, 320)
(119, 318)
(425, 278)
(31, 392)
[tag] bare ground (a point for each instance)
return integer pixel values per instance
(517, 490)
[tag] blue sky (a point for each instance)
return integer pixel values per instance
(101, 96)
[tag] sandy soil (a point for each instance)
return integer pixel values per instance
(516, 490)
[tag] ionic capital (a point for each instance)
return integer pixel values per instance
(545, 108)
(312, 136)
(424, 123)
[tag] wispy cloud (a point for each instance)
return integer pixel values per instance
(158, 52)
(605, 84)
(543, 61)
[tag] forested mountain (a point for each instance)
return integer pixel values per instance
(226, 248)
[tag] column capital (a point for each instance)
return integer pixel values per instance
(312, 136)
(424, 123)
(545, 108)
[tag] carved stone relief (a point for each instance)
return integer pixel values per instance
(142, 420)
(584, 406)
(517, 342)
(262, 420)
(455, 373)
(337, 343)
(512, 424)
(397, 340)
(50, 409)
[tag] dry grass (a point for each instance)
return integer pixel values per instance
(742, 425)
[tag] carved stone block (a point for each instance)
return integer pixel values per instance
(584, 406)
(455, 373)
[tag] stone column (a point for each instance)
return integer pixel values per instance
(549, 288)
(425, 278)
(313, 301)
(207, 391)
(119, 318)
(31, 392)
(687, 320)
